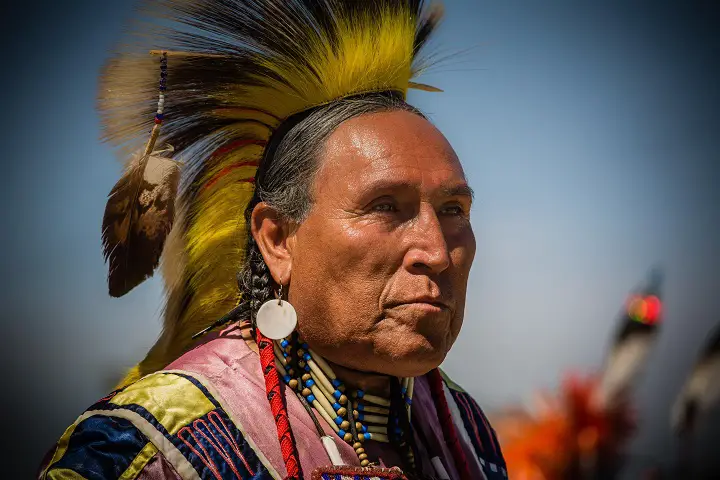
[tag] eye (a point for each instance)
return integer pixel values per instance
(384, 207)
(453, 210)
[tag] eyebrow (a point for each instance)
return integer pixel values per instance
(459, 190)
(463, 190)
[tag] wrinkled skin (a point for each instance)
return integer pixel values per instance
(378, 271)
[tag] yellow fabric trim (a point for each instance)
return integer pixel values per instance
(61, 446)
(64, 474)
(158, 394)
(139, 462)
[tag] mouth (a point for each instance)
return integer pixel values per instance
(425, 304)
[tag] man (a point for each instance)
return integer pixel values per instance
(344, 215)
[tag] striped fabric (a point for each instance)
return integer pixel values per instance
(478, 430)
(176, 424)
(120, 434)
(85, 454)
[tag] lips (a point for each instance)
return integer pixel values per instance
(421, 302)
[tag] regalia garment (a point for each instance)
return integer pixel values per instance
(215, 85)
(205, 416)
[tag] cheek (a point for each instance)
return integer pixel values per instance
(462, 257)
(337, 280)
(348, 259)
(462, 252)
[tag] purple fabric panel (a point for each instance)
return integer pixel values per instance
(425, 419)
(234, 371)
(158, 468)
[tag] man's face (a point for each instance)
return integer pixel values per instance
(380, 266)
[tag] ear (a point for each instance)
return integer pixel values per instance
(272, 234)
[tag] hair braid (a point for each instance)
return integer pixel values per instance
(254, 280)
(261, 283)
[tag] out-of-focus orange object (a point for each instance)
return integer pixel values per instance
(569, 435)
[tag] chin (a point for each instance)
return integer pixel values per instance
(409, 358)
(410, 367)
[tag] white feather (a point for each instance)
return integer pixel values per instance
(624, 366)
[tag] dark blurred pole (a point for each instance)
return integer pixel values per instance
(684, 467)
(698, 396)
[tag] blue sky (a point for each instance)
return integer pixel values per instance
(589, 132)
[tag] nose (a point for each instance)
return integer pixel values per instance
(428, 251)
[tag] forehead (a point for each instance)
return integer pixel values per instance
(384, 147)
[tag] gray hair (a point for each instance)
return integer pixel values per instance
(286, 177)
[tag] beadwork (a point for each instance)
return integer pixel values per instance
(155, 133)
(163, 86)
(366, 417)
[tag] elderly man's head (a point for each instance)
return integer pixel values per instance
(365, 220)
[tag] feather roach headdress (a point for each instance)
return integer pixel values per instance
(230, 72)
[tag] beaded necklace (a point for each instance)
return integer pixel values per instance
(354, 416)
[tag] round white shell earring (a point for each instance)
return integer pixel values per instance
(276, 318)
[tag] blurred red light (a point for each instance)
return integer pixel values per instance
(653, 309)
(644, 309)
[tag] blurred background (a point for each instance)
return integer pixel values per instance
(590, 132)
